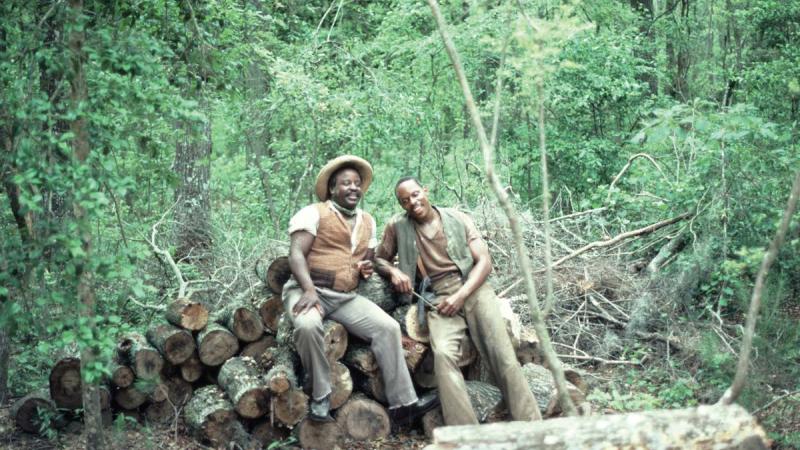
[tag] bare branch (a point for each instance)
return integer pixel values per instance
(732, 393)
(628, 165)
(182, 284)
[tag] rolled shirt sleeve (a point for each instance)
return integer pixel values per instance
(388, 246)
(307, 219)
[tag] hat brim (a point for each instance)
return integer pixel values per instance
(361, 165)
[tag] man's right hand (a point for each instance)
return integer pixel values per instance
(308, 301)
(401, 281)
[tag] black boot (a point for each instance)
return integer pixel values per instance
(405, 415)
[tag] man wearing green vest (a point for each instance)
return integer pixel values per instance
(442, 248)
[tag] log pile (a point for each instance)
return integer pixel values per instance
(233, 376)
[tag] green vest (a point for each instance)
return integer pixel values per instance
(454, 231)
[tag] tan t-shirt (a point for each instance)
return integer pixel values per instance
(432, 249)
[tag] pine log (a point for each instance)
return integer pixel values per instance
(359, 357)
(210, 416)
(216, 344)
(239, 377)
(543, 387)
(281, 375)
(130, 398)
(320, 435)
(256, 349)
(528, 349)
(486, 400)
(175, 344)
(278, 273)
(406, 316)
(718, 427)
(142, 357)
(335, 339)
(270, 310)
(414, 353)
(187, 314)
(363, 419)
(65, 383)
(290, 407)
(192, 369)
(268, 432)
(379, 291)
(242, 319)
(371, 384)
(35, 410)
(341, 385)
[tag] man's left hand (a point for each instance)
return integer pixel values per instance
(366, 268)
(451, 305)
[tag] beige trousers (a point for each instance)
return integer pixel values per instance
(362, 318)
(481, 317)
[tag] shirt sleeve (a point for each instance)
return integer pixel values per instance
(307, 219)
(388, 246)
(373, 239)
(471, 229)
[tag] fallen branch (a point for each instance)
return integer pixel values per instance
(628, 165)
(182, 283)
(776, 400)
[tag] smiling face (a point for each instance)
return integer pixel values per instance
(414, 199)
(345, 188)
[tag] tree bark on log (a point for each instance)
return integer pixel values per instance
(528, 349)
(718, 427)
(541, 383)
(192, 369)
(414, 353)
(487, 403)
(363, 419)
(216, 344)
(65, 383)
(175, 344)
(210, 416)
(335, 339)
(406, 316)
(278, 274)
(270, 311)
(142, 357)
(187, 314)
(29, 411)
(341, 385)
(130, 397)
(242, 320)
(281, 375)
(239, 377)
(290, 407)
(320, 435)
(379, 291)
(359, 356)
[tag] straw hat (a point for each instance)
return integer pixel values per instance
(362, 166)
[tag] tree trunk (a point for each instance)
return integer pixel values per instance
(379, 291)
(290, 407)
(718, 427)
(210, 416)
(29, 411)
(242, 319)
(239, 377)
(187, 314)
(216, 344)
(175, 344)
(192, 202)
(143, 358)
(65, 383)
(320, 435)
(363, 419)
(270, 311)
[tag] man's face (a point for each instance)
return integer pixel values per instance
(346, 191)
(414, 199)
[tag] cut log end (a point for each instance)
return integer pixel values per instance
(363, 419)
(320, 435)
(65, 383)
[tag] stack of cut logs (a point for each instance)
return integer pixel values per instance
(234, 377)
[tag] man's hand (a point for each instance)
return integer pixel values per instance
(308, 301)
(366, 268)
(451, 305)
(401, 281)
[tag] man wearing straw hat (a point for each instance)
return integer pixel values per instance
(331, 248)
(442, 248)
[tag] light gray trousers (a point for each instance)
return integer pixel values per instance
(360, 317)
